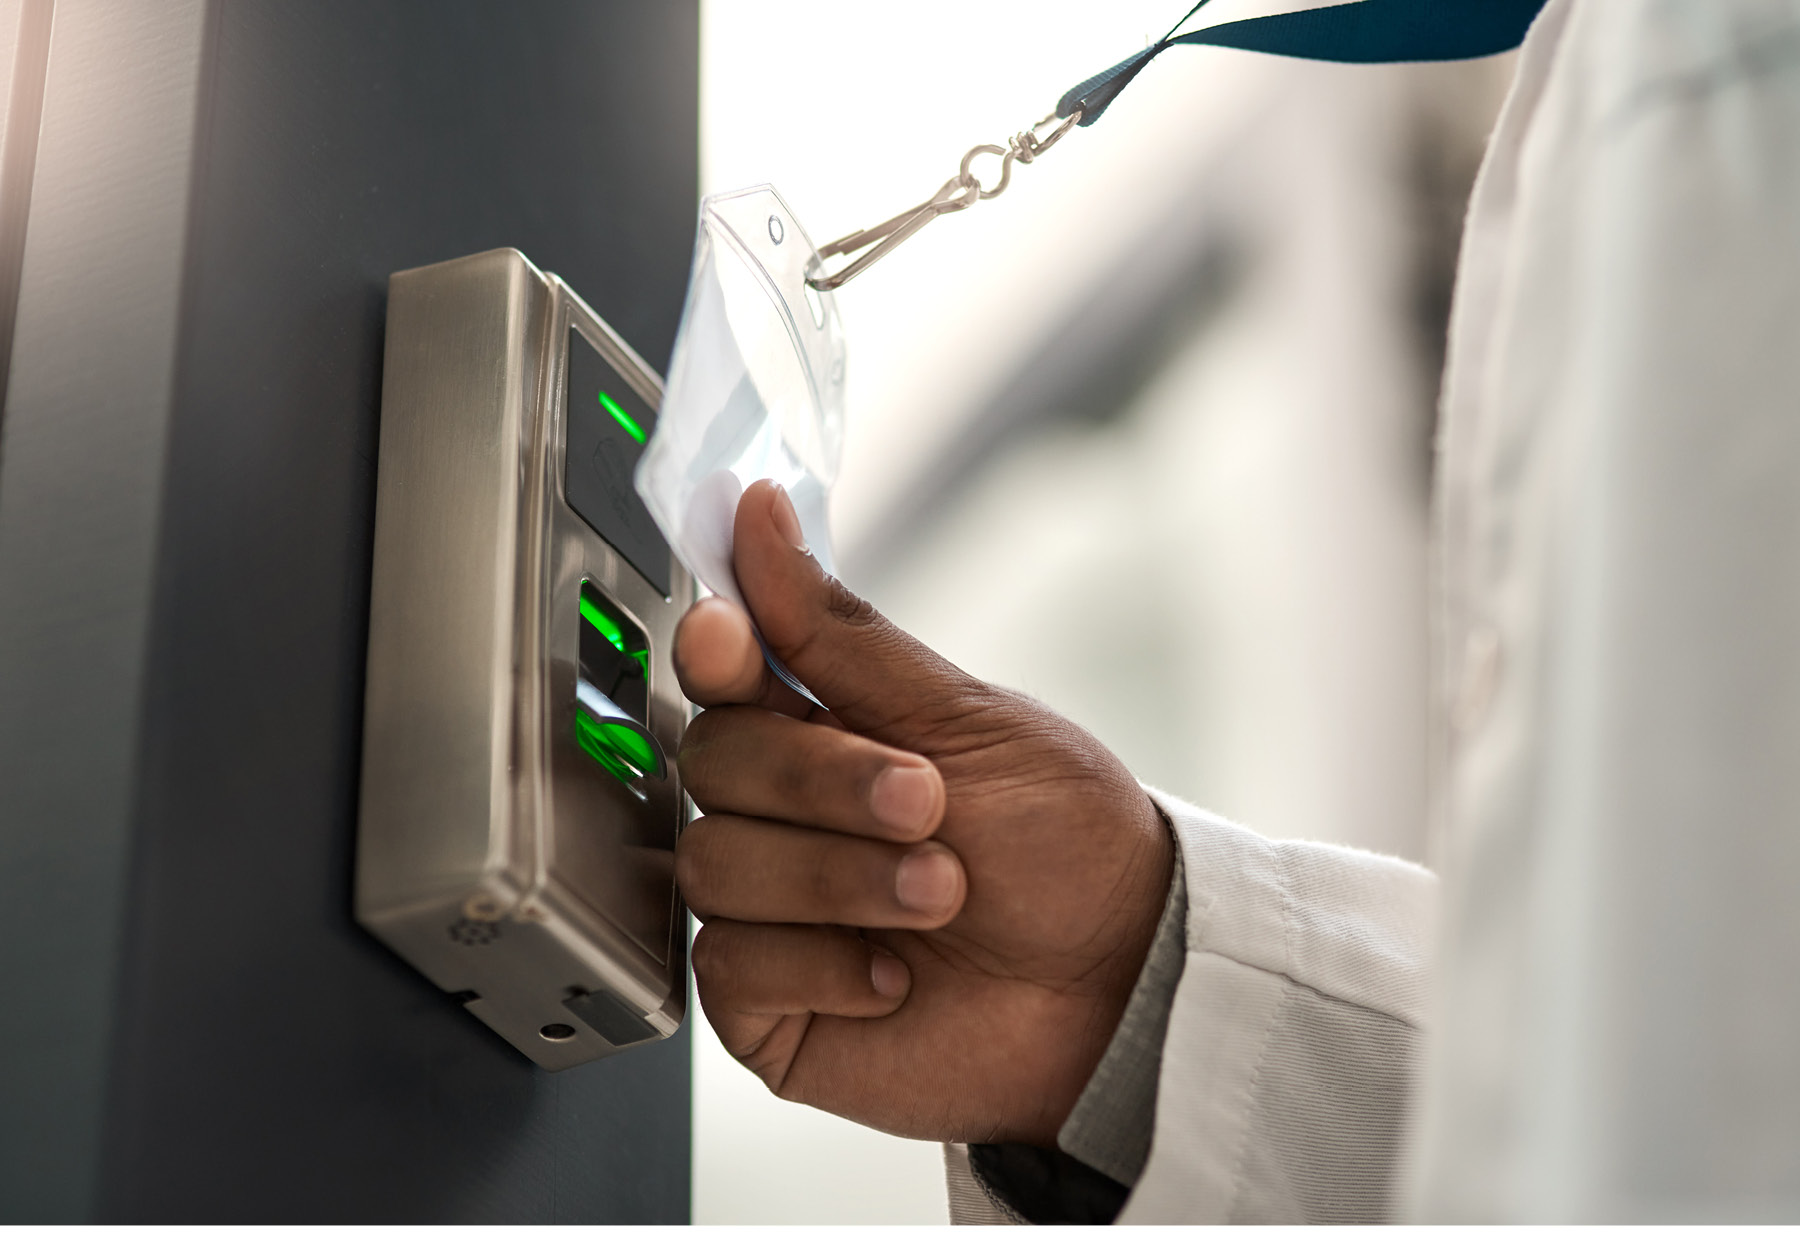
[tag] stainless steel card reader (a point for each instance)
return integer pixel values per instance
(519, 797)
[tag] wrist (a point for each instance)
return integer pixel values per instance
(1114, 1119)
(1142, 899)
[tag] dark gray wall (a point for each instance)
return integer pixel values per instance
(263, 1058)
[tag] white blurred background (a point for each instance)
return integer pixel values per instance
(1147, 436)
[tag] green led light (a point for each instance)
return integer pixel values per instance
(623, 750)
(609, 734)
(595, 615)
(624, 419)
(602, 756)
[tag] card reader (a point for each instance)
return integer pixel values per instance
(520, 802)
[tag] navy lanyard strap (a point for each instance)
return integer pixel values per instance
(1364, 32)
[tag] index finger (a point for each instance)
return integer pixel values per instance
(752, 763)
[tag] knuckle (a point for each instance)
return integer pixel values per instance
(708, 956)
(847, 607)
(696, 853)
(823, 886)
(698, 735)
(715, 731)
(690, 767)
(843, 608)
(726, 954)
(792, 777)
(802, 771)
(772, 1070)
(719, 756)
(696, 758)
(776, 1078)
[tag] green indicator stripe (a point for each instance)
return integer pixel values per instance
(595, 615)
(624, 418)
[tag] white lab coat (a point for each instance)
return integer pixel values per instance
(1603, 1021)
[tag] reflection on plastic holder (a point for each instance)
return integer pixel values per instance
(755, 389)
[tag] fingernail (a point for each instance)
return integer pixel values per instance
(903, 797)
(787, 521)
(888, 975)
(926, 881)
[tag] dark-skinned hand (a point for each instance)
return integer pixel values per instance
(923, 909)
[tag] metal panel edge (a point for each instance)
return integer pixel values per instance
(443, 582)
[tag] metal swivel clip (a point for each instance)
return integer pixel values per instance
(954, 196)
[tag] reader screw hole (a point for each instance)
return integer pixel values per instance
(556, 1032)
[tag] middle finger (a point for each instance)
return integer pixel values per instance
(760, 871)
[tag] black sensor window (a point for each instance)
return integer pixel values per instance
(608, 425)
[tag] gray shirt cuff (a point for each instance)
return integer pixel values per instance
(1115, 1118)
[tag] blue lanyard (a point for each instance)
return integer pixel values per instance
(1364, 32)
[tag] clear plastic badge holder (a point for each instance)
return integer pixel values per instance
(755, 389)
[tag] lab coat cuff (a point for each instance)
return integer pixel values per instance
(1292, 1035)
(1113, 1121)
(1349, 924)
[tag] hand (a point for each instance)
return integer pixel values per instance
(924, 909)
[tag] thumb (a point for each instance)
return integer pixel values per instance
(875, 677)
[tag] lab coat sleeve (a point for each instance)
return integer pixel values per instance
(1294, 1033)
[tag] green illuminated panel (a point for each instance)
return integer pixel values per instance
(612, 691)
(624, 418)
(623, 750)
(595, 615)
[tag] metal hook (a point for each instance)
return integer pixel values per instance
(954, 196)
